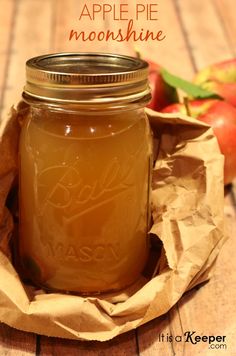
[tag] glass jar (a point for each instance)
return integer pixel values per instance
(85, 158)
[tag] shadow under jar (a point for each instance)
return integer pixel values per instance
(85, 161)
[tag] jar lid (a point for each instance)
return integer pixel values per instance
(86, 77)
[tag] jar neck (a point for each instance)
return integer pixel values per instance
(88, 107)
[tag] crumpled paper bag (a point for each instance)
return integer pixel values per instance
(187, 235)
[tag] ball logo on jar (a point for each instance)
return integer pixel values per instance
(76, 197)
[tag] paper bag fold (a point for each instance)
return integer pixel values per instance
(187, 212)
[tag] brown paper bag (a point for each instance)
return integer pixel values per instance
(187, 210)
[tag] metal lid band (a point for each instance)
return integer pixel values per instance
(81, 77)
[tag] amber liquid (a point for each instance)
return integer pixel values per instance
(84, 187)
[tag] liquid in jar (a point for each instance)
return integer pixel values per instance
(84, 199)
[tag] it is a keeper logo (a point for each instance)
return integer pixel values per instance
(215, 342)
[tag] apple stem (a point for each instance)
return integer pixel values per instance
(137, 52)
(187, 107)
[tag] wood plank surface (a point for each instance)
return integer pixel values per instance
(16, 343)
(204, 32)
(7, 18)
(173, 52)
(31, 36)
(197, 34)
(150, 337)
(226, 13)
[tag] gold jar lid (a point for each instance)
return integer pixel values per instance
(86, 78)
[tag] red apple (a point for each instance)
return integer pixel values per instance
(222, 117)
(162, 93)
(220, 78)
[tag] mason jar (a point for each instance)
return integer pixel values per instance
(85, 161)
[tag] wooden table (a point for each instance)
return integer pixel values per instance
(197, 34)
